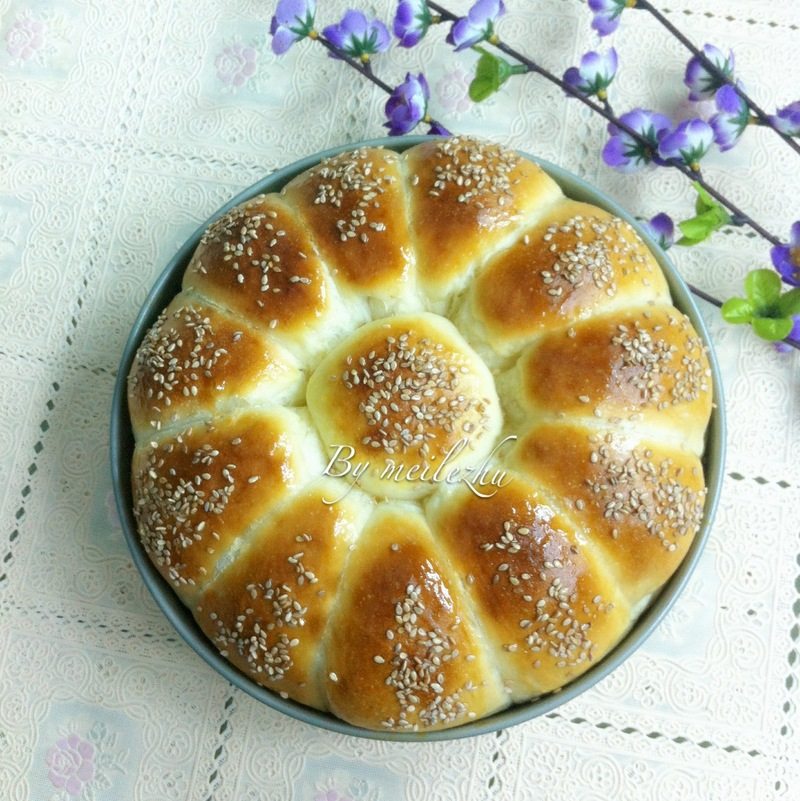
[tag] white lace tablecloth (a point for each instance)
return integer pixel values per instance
(122, 126)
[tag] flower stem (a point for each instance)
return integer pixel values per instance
(760, 114)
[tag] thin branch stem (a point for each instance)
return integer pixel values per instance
(760, 114)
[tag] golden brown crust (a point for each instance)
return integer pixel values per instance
(196, 493)
(644, 365)
(355, 209)
(578, 261)
(259, 261)
(466, 198)
(267, 612)
(639, 501)
(402, 652)
(196, 358)
(544, 599)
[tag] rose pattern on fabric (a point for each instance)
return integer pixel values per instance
(70, 764)
(80, 764)
(236, 64)
(26, 37)
(452, 92)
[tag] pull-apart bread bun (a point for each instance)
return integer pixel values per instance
(419, 436)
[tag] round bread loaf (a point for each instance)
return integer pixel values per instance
(420, 436)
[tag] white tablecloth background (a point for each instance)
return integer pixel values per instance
(121, 128)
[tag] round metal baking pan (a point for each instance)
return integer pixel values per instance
(122, 443)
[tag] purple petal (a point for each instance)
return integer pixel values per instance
(463, 35)
(662, 229)
(382, 36)
(288, 12)
(794, 236)
(485, 10)
(728, 100)
(787, 119)
(572, 77)
(605, 24)
(614, 155)
(726, 133)
(786, 261)
(592, 62)
(689, 141)
(603, 5)
(794, 336)
(354, 23)
(282, 40)
(336, 35)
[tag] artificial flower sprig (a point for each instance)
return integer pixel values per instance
(637, 139)
(708, 70)
(354, 40)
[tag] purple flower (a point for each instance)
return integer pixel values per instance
(731, 119)
(787, 119)
(293, 21)
(662, 229)
(357, 36)
(607, 14)
(786, 258)
(595, 73)
(70, 764)
(477, 25)
(411, 21)
(794, 336)
(407, 105)
(689, 142)
(626, 154)
(701, 82)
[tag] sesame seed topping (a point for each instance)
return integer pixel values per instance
(411, 395)
(417, 667)
(477, 172)
(644, 492)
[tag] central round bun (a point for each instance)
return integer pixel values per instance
(420, 436)
(403, 404)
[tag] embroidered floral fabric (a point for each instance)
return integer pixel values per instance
(123, 126)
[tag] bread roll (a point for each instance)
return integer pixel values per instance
(420, 436)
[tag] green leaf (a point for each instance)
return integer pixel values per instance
(491, 73)
(771, 329)
(737, 310)
(699, 228)
(704, 201)
(789, 303)
(763, 287)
